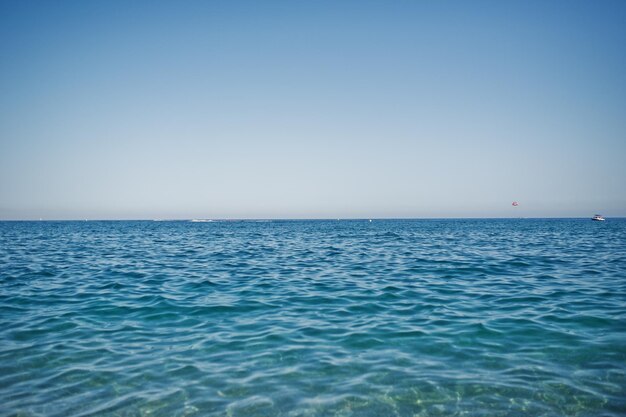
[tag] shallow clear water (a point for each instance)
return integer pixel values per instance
(313, 318)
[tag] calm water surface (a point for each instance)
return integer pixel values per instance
(313, 318)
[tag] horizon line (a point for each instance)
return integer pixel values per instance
(209, 220)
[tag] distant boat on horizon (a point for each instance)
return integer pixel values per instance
(598, 218)
(201, 220)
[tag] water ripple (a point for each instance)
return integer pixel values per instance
(313, 318)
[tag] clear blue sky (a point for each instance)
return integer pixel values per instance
(301, 109)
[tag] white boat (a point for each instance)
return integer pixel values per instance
(597, 218)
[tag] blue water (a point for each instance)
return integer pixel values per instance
(313, 318)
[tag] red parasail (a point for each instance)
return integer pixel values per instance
(515, 203)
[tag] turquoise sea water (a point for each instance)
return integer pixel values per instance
(313, 318)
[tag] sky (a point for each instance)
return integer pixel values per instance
(312, 109)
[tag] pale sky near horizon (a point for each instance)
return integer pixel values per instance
(320, 109)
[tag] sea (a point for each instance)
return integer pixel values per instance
(450, 317)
